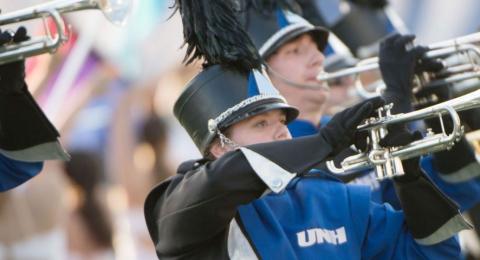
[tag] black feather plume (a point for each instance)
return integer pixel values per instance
(269, 6)
(211, 31)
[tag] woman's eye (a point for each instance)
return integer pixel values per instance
(261, 124)
(291, 51)
(283, 121)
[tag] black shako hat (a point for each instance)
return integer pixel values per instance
(232, 86)
(271, 29)
(218, 97)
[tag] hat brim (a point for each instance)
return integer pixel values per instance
(259, 108)
(319, 34)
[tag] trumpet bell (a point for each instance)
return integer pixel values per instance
(116, 11)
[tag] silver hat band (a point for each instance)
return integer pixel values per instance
(213, 123)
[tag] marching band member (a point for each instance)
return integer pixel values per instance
(250, 196)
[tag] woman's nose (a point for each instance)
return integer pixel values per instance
(282, 133)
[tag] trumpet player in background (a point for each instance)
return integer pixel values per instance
(292, 49)
(27, 137)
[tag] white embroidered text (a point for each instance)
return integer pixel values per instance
(314, 236)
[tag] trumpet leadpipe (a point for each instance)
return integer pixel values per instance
(66, 6)
(470, 38)
(465, 102)
(115, 11)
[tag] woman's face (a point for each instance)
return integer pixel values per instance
(265, 127)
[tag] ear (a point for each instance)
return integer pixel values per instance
(217, 150)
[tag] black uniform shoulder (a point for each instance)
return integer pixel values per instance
(150, 204)
(191, 165)
(158, 191)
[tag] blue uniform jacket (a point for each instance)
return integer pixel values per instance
(319, 218)
(220, 210)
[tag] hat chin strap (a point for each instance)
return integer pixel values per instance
(323, 85)
(227, 142)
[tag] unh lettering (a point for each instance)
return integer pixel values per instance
(314, 236)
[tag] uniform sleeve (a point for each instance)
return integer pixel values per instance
(194, 208)
(387, 237)
(14, 173)
(26, 134)
(458, 164)
(197, 206)
(465, 193)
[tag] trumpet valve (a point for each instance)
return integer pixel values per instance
(385, 111)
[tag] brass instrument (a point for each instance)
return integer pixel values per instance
(460, 70)
(387, 160)
(115, 11)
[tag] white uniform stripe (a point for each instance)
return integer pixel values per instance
(238, 245)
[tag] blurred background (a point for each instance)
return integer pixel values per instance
(110, 92)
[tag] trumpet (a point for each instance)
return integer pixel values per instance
(469, 67)
(387, 160)
(116, 11)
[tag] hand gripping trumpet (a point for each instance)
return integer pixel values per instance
(115, 11)
(387, 160)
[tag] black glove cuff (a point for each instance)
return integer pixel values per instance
(451, 161)
(12, 77)
(425, 207)
(22, 122)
